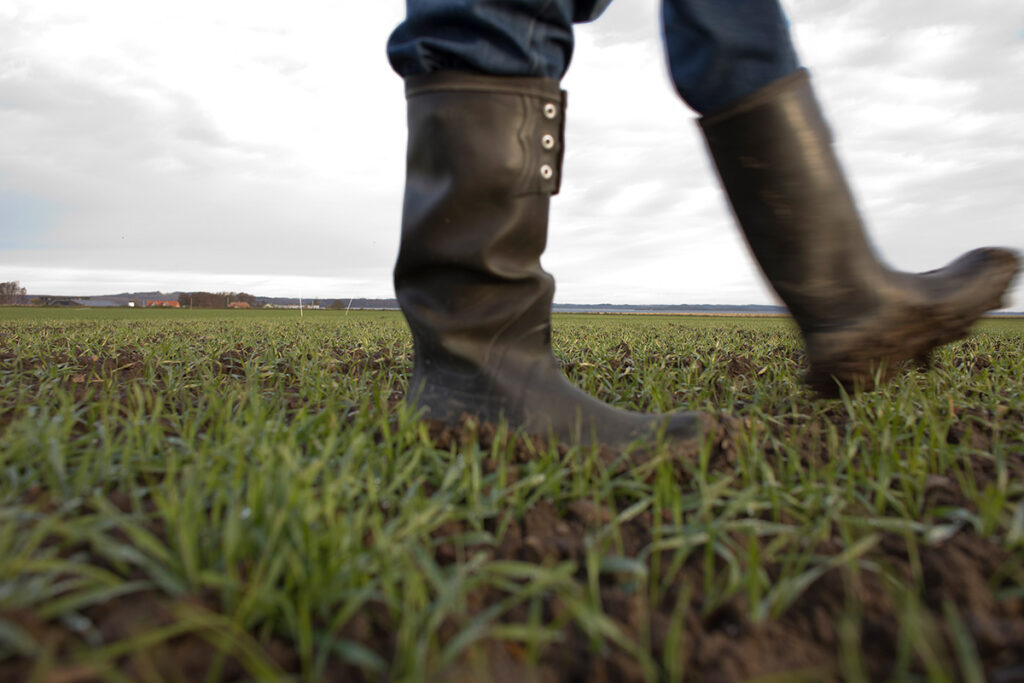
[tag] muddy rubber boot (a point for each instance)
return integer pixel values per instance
(859, 319)
(484, 156)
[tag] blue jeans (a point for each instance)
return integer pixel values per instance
(718, 50)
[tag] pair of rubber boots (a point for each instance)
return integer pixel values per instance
(484, 157)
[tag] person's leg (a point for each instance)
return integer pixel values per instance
(721, 50)
(484, 157)
(773, 151)
(493, 37)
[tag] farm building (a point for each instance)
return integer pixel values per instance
(239, 304)
(152, 303)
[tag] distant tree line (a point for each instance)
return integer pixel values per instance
(213, 299)
(12, 293)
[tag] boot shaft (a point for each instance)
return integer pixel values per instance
(484, 156)
(773, 152)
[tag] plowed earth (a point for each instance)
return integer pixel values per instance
(967, 595)
(718, 645)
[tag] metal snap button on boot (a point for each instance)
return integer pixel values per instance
(546, 172)
(550, 110)
(548, 142)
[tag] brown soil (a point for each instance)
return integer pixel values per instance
(715, 642)
(720, 644)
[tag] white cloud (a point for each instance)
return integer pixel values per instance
(244, 145)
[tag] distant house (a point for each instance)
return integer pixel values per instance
(239, 304)
(152, 303)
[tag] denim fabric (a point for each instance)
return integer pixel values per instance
(721, 50)
(717, 50)
(494, 37)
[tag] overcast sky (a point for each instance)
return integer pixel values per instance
(259, 146)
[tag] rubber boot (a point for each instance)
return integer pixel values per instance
(859, 319)
(484, 156)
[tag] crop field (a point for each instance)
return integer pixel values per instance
(229, 495)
